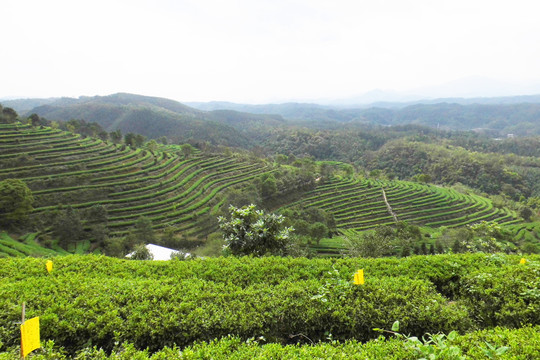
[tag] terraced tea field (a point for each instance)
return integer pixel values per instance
(361, 205)
(168, 188)
(62, 168)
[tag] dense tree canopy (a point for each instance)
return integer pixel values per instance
(16, 201)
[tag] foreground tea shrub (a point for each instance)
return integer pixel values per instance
(75, 311)
(95, 300)
(517, 343)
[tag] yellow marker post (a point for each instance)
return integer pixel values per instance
(30, 336)
(49, 266)
(522, 261)
(359, 277)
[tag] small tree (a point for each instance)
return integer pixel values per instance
(376, 243)
(15, 201)
(252, 232)
(317, 231)
(141, 233)
(141, 252)
(116, 136)
(152, 146)
(68, 226)
(187, 150)
(526, 213)
(8, 115)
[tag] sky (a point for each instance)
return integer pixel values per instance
(260, 51)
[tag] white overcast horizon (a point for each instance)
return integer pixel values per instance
(263, 51)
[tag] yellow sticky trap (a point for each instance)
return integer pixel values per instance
(49, 266)
(30, 336)
(359, 277)
(522, 261)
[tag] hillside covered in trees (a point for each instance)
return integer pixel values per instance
(91, 190)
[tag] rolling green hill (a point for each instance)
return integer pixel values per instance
(111, 186)
(65, 170)
(155, 117)
(361, 205)
(497, 116)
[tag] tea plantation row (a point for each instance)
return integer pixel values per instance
(521, 343)
(103, 301)
(360, 205)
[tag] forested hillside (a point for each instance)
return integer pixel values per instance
(498, 116)
(490, 162)
(157, 117)
(83, 192)
(93, 190)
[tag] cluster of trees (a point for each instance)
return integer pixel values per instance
(489, 173)
(276, 188)
(16, 202)
(482, 237)
(311, 223)
(403, 240)
(7, 115)
(410, 152)
(90, 129)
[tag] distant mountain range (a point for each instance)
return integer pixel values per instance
(243, 125)
(151, 116)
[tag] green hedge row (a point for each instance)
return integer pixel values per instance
(102, 301)
(105, 152)
(519, 343)
(90, 148)
(174, 211)
(103, 310)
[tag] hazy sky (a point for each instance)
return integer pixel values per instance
(263, 51)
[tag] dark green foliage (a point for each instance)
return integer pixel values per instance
(16, 202)
(252, 232)
(116, 136)
(187, 150)
(134, 140)
(96, 214)
(84, 128)
(68, 226)
(141, 252)
(373, 244)
(518, 344)
(437, 163)
(7, 115)
(400, 239)
(483, 236)
(142, 232)
(310, 221)
(243, 196)
(526, 213)
(268, 187)
(152, 304)
(317, 231)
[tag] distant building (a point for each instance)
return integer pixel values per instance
(160, 252)
(510, 136)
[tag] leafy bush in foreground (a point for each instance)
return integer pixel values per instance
(521, 344)
(100, 301)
